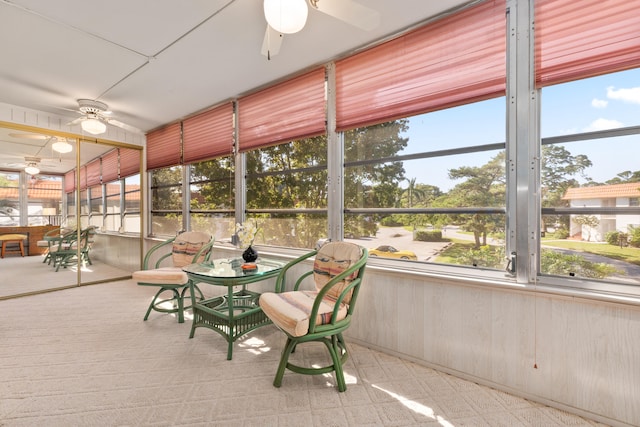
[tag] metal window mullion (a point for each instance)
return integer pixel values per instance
(23, 203)
(186, 197)
(240, 180)
(335, 161)
(523, 159)
(123, 203)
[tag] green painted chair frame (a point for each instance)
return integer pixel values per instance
(67, 253)
(50, 241)
(177, 290)
(330, 334)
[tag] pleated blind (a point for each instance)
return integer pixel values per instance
(455, 60)
(291, 110)
(129, 162)
(208, 135)
(83, 177)
(110, 166)
(70, 181)
(164, 147)
(580, 39)
(93, 173)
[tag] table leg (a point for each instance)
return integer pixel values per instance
(231, 322)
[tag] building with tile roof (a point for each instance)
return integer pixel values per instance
(616, 195)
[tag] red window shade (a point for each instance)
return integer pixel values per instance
(129, 162)
(164, 147)
(70, 181)
(110, 166)
(93, 173)
(453, 61)
(209, 134)
(83, 177)
(284, 112)
(580, 39)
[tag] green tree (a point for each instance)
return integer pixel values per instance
(166, 191)
(289, 176)
(558, 168)
(374, 184)
(484, 187)
(214, 184)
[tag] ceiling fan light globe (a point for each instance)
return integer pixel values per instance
(93, 126)
(286, 16)
(62, 147)
(32, 170)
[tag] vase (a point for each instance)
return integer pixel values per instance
(250, 254)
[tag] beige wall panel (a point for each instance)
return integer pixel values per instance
(586, 352)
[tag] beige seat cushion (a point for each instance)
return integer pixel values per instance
(187, 245)
(290, 311)
(161, 276)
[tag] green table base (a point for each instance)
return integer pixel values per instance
(215, 314)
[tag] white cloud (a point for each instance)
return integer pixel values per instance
(631, 95)
(599, 103)
(603, 124)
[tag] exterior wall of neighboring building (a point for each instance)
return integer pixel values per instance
(607, 223)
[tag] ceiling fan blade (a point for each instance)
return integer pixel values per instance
(76, 121)
(350, 12)
(271, 43)
(124, 126)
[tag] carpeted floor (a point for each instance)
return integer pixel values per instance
(84, 357)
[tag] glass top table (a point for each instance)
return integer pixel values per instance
(236, 313)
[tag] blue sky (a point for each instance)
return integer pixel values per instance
(598, 103)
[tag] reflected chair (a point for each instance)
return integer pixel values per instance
(166, 273)
(321, 314)
(50, 241)
(66, 253)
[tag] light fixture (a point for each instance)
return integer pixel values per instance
(286, 16)
(93, 126)
(62, 146)
(32, 169)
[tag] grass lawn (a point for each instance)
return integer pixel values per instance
(453, 253)
(627, 254)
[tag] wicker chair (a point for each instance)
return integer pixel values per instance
(166, 273)
(66, 253)
(321, 314)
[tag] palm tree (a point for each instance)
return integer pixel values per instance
(411, 191)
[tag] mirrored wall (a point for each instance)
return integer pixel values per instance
(70, 210)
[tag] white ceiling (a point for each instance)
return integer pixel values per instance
(157, 61)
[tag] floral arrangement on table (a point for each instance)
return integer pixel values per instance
(246, 234)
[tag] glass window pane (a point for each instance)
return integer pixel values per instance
(44, 198)
(112, 218)
(131, 221)
(9, 199)
(290, 230)
(590, 184)
(288, 176)
(604, 247)
(166, 201)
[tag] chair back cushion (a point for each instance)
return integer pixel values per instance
(187, 245)
(332, 259)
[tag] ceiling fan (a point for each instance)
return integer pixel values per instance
(31, 164)
(95, 117)
(290, 16)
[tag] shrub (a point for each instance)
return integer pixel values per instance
(561, 233)
(428, 236)
(390, 221)
(634, 239)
